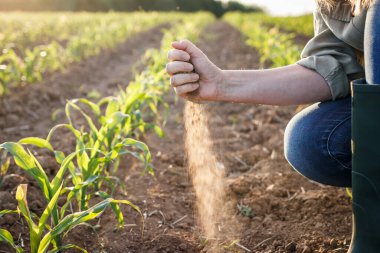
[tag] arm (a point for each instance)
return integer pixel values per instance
(287, 85)
(195, 77)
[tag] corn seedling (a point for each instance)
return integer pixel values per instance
(60, 42)
(274, 47)
(301, 24)
(53, 189)
(45, 236)
(109, 138)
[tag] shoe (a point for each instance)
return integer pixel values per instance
(365, 168)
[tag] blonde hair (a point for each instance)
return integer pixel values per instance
(356, 4)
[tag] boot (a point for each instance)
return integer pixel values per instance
(366, 143)
(365, 168)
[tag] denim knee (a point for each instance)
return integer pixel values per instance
(299, 151)
(372, 44)
(311, 142)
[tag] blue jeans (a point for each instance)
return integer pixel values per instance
(318, 139)
(318, 142)
(372, 44)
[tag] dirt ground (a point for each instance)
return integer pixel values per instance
(278, 210)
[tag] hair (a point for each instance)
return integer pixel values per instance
(329, 4)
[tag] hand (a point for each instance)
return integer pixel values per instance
(193, 75)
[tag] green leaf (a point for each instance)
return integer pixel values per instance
(5, 236)
(74, 190)
(39, 142)
(59, 156)
(45, 215)
(131, 100)
(115, 207)
(21, 193)
(71, 221)
(112, 107)
(90, 123)
(4, 212)
(94, 107)
(115, 119)
(83, 162)
(105, 100)
(27, 162)
(24, 209)
(349, 192)
(140, 145)
(75, 219)
(76, 133)
(56, 182)
(68, 246)
(159, 131)
(153, 107)
(5, 166)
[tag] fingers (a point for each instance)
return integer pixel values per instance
(183, 81)
(178, 67)
(186, 88)
(180, 79)
(178, 55)
(188, 47)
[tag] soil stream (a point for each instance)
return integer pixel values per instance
(208, 177)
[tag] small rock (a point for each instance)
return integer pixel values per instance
(11, 181)
(17, 109)
(240, 186)
(62, 200)
(306, 249)
(291, 247)
(36, 205)
(12, 118)
(183, 246)
(270, 187)
(333, 243)
(8, 219)
(277, 243)
(165, 158)
(7, 201)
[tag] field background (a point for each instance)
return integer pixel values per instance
(49, 58)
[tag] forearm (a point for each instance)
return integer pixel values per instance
(288, 85)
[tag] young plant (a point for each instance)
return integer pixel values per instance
(109, 135)
(274, 47)
(45, 234)
(6, 236)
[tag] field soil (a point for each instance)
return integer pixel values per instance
(277, 209)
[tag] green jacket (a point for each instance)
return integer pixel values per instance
(332, 52)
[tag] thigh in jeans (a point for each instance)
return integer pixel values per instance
(372, 44)
(318, 142)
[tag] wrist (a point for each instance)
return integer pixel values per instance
(222, 86)
(237, 86)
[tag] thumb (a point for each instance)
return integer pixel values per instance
(188, 47)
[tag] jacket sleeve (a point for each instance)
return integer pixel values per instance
(332, 58)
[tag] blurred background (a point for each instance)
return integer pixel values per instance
(274, 7)
(216, 7)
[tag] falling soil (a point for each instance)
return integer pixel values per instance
(208, 177)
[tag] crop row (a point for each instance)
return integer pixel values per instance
(40, 43)
(26, 30)
(300, 25)
(276, 48)
(112, 128)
